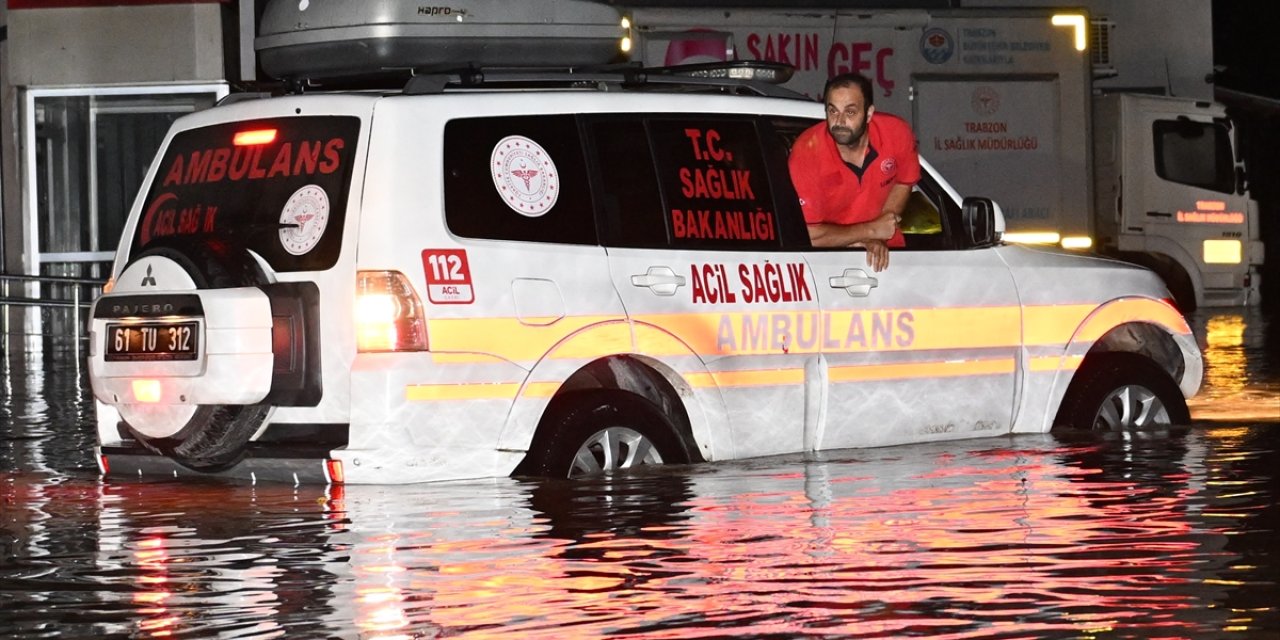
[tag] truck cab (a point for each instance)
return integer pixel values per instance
(1171, 195)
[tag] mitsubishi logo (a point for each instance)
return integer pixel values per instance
(149, 280)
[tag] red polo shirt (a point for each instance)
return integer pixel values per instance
(831, 192)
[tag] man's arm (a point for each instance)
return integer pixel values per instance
(827, 234)
(896, 203)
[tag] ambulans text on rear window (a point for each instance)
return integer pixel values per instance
(277, 186)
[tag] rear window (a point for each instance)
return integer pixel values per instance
(278, 187)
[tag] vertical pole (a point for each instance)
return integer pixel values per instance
(75, 314)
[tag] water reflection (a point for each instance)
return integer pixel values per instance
(1154, 535)
(1162, 536)
(1242, 366)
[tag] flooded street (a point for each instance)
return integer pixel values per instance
(1170, 534)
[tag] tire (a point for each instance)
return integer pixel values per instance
(216, 436)
(1121, 391)
(594, 433)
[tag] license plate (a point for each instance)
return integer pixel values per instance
(152, 341)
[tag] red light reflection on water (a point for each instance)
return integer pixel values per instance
(152, 557)
(965, 550)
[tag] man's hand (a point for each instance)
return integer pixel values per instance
(877, 254)
(884, 227)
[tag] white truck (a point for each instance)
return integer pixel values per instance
(1002, 102)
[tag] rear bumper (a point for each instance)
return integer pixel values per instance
(258, 465)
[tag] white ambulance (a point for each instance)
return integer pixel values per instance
(491, 273)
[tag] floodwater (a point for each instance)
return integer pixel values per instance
(1169, 534)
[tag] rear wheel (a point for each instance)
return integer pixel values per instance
(214, 436)
(595, 433)
(1122, 391)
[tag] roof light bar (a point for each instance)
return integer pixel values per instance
(760, 70)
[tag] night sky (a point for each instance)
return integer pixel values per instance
(1246, 35)
(1246, 45)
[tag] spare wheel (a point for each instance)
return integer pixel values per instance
(200, 436)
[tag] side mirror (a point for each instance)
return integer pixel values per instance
(983, 221)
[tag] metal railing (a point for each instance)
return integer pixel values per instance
(76, 294)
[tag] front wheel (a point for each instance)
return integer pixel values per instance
(595, 433)
(1122, 391)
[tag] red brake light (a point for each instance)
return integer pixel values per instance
(254, 137)
(334, 469)
(389, 314)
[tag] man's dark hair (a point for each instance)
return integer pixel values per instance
(845, 80)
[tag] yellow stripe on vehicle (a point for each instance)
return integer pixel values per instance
(1056, 363)
(479, 391)
(914, 370)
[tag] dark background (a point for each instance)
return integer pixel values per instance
(1247, 77)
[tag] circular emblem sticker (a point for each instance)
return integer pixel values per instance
(303, 219)
(525, 176)
(936, 46)
(985, 101)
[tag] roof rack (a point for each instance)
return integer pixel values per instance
(740, 76)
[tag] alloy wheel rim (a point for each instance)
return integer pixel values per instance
(613, 449)
(1130, 407)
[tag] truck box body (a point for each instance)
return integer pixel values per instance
(1002, 102)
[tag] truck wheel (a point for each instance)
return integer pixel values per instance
(216, 435)
(593, 433)
(1121, 391)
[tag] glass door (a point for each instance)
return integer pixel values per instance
(85, 153)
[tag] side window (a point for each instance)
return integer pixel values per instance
(517, 178)
(630, 205)
(921, 217)
(715, 185)
(693, 181)
(1194, 153)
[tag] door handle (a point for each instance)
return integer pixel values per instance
(855, 281)
(1159, 214)
(661, 281)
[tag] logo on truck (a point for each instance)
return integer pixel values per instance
(937, 46)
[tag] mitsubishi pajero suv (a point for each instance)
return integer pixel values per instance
(483, 274)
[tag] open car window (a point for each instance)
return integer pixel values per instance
(931, 219)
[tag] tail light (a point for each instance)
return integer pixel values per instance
(389, 313)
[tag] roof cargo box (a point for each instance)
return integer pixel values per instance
(317, 39)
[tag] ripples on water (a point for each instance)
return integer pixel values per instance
(1162, 535)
